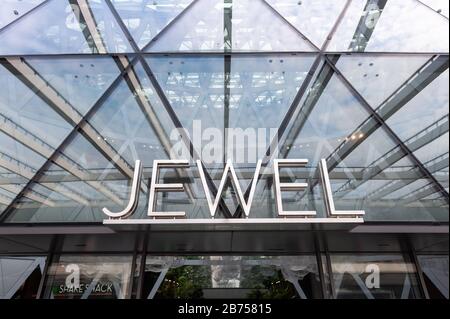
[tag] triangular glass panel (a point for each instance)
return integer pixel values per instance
(377, 77)
(15, 9)
(328, 115)
(81, 81)
(391, 26)
(146, 19)
(440, 6)
(238, 25)
(251, 32)
(14, 271)
(199, 29)
(64, 27)
(314, 19)
(128, 119)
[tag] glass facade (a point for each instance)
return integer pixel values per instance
(88, 87)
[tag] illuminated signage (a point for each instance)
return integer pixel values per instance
(333, 215)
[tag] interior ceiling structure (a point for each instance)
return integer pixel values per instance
(87, 87)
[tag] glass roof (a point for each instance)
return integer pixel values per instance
(87, 87)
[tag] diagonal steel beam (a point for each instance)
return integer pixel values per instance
(33, 195)
(295, 103)
(135, 86)
(411, 88)
(325, 74)
(430, 8)
(185, 138)
(31, 78)
(167, 106)
(28, 172)
(42, 148)
(433, 166)
(317, 88)
(367, 24)
(91, 32)
(420, 80)
(416, 142)
(425, 75)
(58, 151)
(419, 194)
(137, 89)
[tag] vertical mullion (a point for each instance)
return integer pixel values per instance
(53, 255)
(320, 267)
(330, 272)
(421, 280)
(228, 48)
(129, 293)
(142, 265)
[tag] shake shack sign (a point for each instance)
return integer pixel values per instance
(213, 196)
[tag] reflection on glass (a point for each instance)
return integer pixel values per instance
(216, 277)
(251, 32)
(89, 277)
(377, 77)
(334, 115)
(435, 272)
(129, 120)
(200, 29)
(434, 149)
(239, 25)
(314, 19)
(368, 153)
(22, 110)
(195, 89)
(145, 19)
(261, 92)
(65, 27)
(81, 81)
(374, 277)
(20, 276)
(14, 9)
(369, 26)
(440, 6)
(426, 108)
